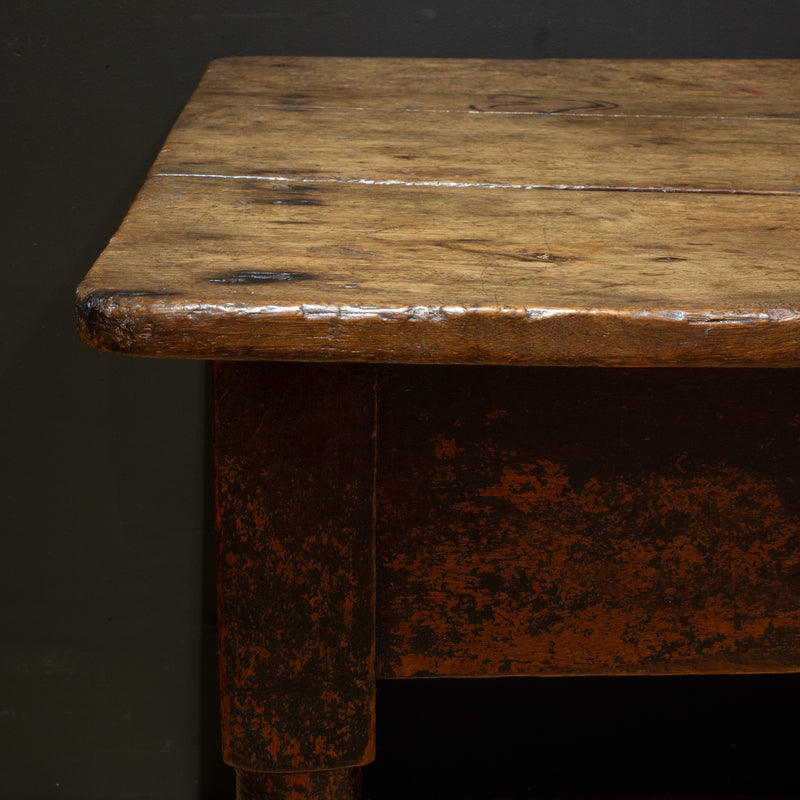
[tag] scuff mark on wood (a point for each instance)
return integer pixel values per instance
(248, 276)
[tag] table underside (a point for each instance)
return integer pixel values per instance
(410, 521)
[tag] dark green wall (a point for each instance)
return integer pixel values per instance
(107, 682)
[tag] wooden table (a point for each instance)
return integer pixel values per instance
(412, 276)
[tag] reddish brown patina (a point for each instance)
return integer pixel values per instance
(295, 477)
(551, 521)
(337, 784)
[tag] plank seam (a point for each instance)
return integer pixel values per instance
(482, 112)
(481, 185)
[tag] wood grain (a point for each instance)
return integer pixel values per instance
(598, 87)
(295, 486)
(253, 269)
(688, 125)
(538, 151)
(568, 522)
(466, 211)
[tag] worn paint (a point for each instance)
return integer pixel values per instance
(343, 784)
(588, 521)
(295, 472)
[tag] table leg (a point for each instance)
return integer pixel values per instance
(295, 461)
(337, 784)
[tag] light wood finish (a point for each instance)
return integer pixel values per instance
(428, 211)
(627, 87)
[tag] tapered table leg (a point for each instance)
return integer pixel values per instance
(295, 460)
(337, 784)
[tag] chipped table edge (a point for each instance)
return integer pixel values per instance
(146, 323)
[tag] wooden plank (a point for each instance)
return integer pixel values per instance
(261, 269)
(295, 478)
(515, 150)
(674, 125)
(653, 152)
(565, 522)
(629, 87)
(352, 193)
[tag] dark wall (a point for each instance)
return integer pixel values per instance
(107, 684)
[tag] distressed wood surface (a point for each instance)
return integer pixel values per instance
(561, 522)
(630, 87)
(501, 149)
(428, 211)
(469, 275)
(295, 486)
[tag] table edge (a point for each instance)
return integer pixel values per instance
(158, 325)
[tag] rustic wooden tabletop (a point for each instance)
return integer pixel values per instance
(459, 211)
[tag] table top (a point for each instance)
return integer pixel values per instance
(578, 212)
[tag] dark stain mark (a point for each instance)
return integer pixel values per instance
(294, 201)
(490, 582)
(104, 317)
(111, 294)
(247, 276)
(425, 638)
(291, 195)
(97, 303)
(670, 258)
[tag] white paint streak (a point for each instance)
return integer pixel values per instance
(475, 184)
(441, 314)
(721, 317)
